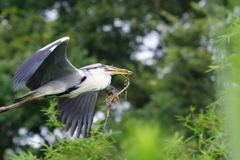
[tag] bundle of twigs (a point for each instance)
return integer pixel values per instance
(113, 98)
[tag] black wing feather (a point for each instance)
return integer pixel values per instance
(78, 112)
(29, 66)
(48, 63)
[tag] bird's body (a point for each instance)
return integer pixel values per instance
(91, 83)
(84, 81)
(49, 73)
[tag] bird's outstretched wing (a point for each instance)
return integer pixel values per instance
(48, 63)
(77, 113)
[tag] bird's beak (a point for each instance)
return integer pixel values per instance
(120, 71)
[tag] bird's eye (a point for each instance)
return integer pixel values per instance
(107, 69)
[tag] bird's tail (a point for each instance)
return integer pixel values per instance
(32, 93)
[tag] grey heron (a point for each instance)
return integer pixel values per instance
(48, 72)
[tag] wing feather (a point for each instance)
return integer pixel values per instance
(48, 63)
(77, 113)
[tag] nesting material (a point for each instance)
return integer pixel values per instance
(113, 98)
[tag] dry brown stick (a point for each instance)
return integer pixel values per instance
(15, 105)
(114, 97)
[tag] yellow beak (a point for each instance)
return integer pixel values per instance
(115, 70)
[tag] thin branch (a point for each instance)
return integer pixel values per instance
(15, 105)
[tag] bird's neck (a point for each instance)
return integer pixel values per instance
(100, 79)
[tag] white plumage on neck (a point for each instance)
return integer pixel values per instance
(97, 79)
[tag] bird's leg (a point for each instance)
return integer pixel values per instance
(7, 108)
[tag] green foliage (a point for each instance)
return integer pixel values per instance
(205, 138)
(143, 142)
(95, 147)
(24, 156)
(230, 80)
(209, 133)
(53, 116)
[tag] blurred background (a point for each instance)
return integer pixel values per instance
(168, 44)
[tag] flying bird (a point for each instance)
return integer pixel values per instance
(49, 73)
